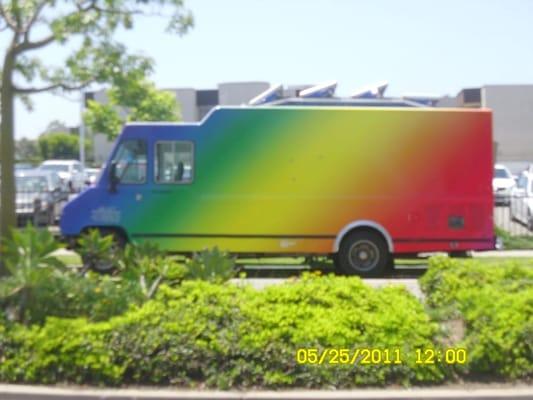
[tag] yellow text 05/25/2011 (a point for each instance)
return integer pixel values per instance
(379, 356)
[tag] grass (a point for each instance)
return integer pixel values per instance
(514, 242)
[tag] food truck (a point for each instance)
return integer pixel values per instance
(359, 182)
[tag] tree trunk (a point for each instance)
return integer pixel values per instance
(7, 151)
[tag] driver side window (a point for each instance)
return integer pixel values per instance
(131, 161)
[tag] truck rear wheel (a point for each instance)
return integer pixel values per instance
(363, 253)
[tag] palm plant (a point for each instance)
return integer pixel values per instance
(28, 257)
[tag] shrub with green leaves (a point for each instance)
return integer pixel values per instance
(71, 295)
(231, 336)
(31, 264)
(98, 252)
(495, 304)
(149, 266)
(211, 265)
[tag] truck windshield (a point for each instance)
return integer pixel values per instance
(131, 161)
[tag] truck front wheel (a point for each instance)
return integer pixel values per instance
(363, 253)
(105, 264)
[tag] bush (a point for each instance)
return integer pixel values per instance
(495, 303)
(30, 263)
(146, 264)
(70, 295)
(518, 242)
(229, 336)
(211, 265)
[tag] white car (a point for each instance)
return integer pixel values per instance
(92, 175)
(70, 171)
(521, 207)
(502, 185)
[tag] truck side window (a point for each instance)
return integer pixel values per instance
(131, 161)
(174, 162)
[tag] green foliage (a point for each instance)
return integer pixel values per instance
(97, 56)
(495, 303)
(211, 265)
(514, 242)
(27, 150)
(69, 295)
(59, 145)
(30, 249)
(229, 336)
(97, 252)
(139, 98)
(149, 266)
(28, 257)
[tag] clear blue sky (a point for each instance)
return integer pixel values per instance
(435, 47)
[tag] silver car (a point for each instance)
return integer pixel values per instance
(40, 197)
(70, 171)
(521, 207)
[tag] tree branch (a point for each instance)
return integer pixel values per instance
(32, 20)
(27, 45)
(9, 22)
(62, 86)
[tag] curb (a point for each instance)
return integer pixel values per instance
(20, 392)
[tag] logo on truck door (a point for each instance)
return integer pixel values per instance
(107, 215)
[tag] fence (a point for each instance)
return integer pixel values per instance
(514, 214)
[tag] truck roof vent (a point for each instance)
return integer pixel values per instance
(274, 92)
(322, 90)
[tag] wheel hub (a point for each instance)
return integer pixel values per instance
(363, 255)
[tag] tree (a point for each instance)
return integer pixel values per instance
(88, 28)
(27, 150)
(139, 100)
(59, 145)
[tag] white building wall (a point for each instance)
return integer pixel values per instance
(512, 116)
(186, 98)
(237, 93)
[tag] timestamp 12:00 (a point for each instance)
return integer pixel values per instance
(378, 356)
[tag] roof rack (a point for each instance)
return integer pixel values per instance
(342, 102)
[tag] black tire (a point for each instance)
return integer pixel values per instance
(363, 253)
(460, 254)
(107, 266)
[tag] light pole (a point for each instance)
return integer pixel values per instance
(82, 131)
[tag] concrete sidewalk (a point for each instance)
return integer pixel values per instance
(19, 392)
(504, 253)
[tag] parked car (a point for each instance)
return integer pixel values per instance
(23, 166)
(70, 171)
(40, 196)
(502, 185)
(91, 176)
(521, 207)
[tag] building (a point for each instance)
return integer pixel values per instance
(512, 110)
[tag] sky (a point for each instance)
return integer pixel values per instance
(418, 46)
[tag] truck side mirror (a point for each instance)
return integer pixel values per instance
(113, 177)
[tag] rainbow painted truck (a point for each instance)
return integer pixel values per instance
(355, 182)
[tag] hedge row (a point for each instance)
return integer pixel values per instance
(229, 336)
(494, 304)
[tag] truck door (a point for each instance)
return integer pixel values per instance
(128, 191)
